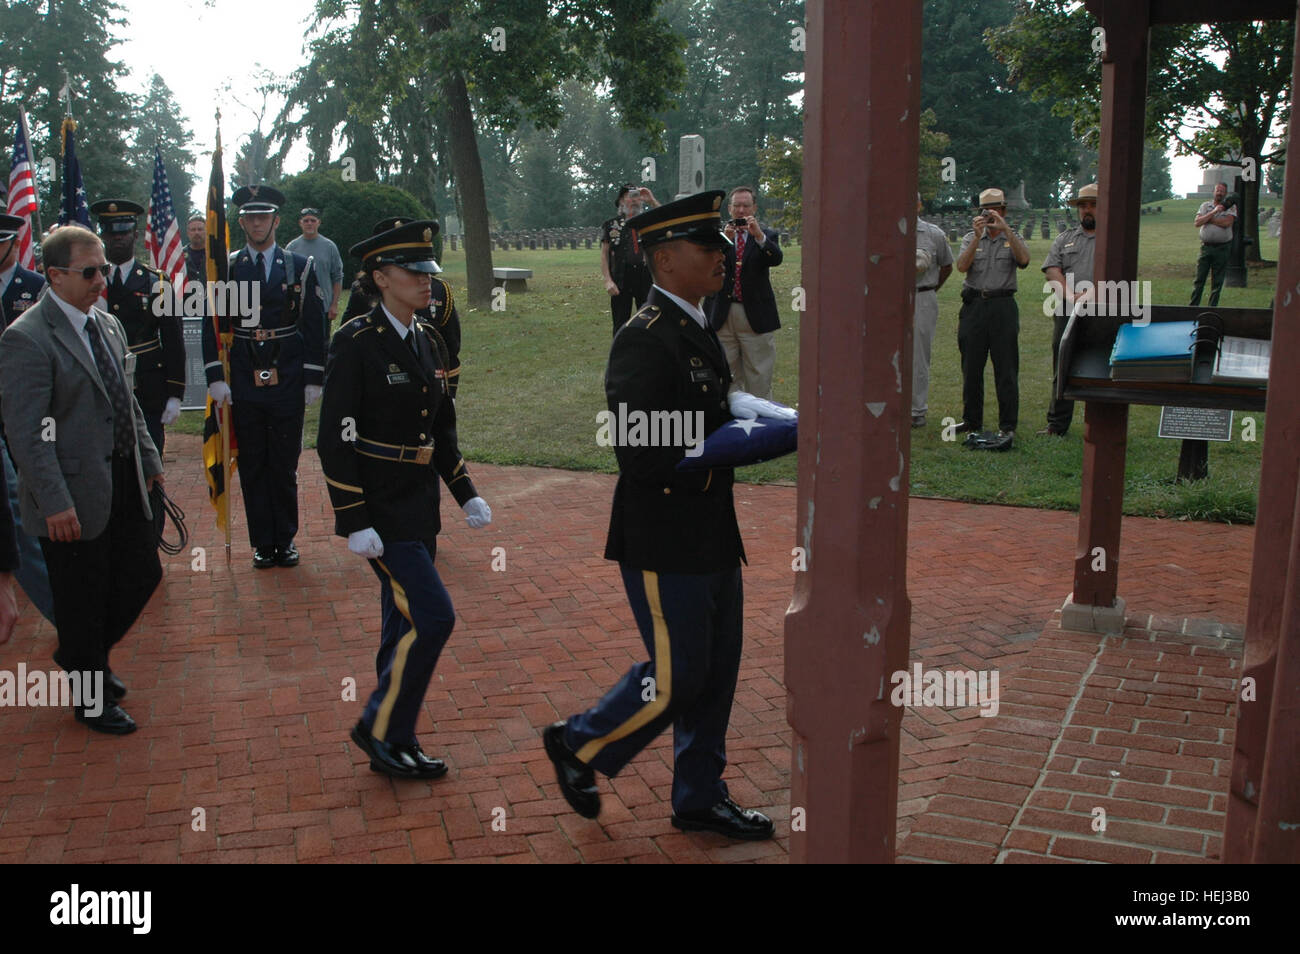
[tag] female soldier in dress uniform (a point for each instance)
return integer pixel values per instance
(387, 432)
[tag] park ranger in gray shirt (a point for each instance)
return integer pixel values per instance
(1068, 269)
(933, 266)
(989, 324)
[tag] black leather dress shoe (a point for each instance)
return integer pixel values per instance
(426, 767)
(577, 781)
(286, 556)
(113, 720)
(727, 818)
(963, 428)
(384, 758)
(263, 558)
(116, 687)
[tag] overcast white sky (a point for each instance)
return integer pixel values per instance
(199, 47)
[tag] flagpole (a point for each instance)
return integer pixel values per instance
(224, 410)
(31, 164)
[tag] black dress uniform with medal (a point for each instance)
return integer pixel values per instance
(272, 364)
(155, 339)
(675, 536)
(441, 312)
(626, 265)
(387, 433)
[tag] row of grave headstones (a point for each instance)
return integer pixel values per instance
(956, 224)
(547, 239)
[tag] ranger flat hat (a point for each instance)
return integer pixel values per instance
(397, 221)
(254, 199)
(116, 215)
(696, 217)
(409, 245)
(992, 199)
(10, 225)
(1086, 193)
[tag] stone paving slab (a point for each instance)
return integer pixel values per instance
(238, 677)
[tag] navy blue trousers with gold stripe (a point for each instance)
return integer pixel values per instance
(418, 618)
(691, 624)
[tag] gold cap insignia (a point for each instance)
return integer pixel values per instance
(428, 235)
(112, 207)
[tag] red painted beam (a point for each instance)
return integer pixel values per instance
(1119, 184)
(848, 627)
(1264, 796)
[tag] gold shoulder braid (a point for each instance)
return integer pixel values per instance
(451, 302)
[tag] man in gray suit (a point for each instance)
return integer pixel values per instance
(85, 464)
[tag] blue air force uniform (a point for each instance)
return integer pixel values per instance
(21, 292)
(271, 362)
(387, 433)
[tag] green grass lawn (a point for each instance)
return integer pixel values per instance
(532, 385)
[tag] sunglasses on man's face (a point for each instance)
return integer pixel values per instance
(88, 273)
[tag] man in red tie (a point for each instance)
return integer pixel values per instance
(744, 312)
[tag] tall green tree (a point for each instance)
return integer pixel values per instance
(45, 44)
(468, 62)
(998, 135)
(1157, 183)
(1219, 91)
(744, 74)
(157, 124)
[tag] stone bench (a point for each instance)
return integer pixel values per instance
(513, 279)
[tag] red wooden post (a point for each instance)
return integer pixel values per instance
(849, 624)
(1094, 604)
(1265, 790)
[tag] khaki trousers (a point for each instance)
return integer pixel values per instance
(752, 356)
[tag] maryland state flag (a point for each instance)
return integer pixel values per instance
(219, 451)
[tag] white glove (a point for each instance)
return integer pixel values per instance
(312, 393)
(747, 407)
(478, 514)
(219, 391)
(366, 543)
(172, 412)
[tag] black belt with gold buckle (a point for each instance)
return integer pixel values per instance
(398, 453)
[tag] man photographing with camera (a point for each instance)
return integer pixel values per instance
(989, 324)
(1215, 220)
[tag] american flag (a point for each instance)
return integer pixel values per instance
(74, 208)
(22, 195)
(162, 237)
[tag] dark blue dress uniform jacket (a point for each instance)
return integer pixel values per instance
(24, 289)
(663, 519)
(441, 313)
(289, 299)
(155, 340)
(374, 381)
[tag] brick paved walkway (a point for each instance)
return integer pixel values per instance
(237, 678)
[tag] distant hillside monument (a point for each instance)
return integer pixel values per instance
(1017, 201)
(690, 166)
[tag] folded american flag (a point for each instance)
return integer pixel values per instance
(744, 441)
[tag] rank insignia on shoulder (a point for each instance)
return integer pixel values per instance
(646, 317)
